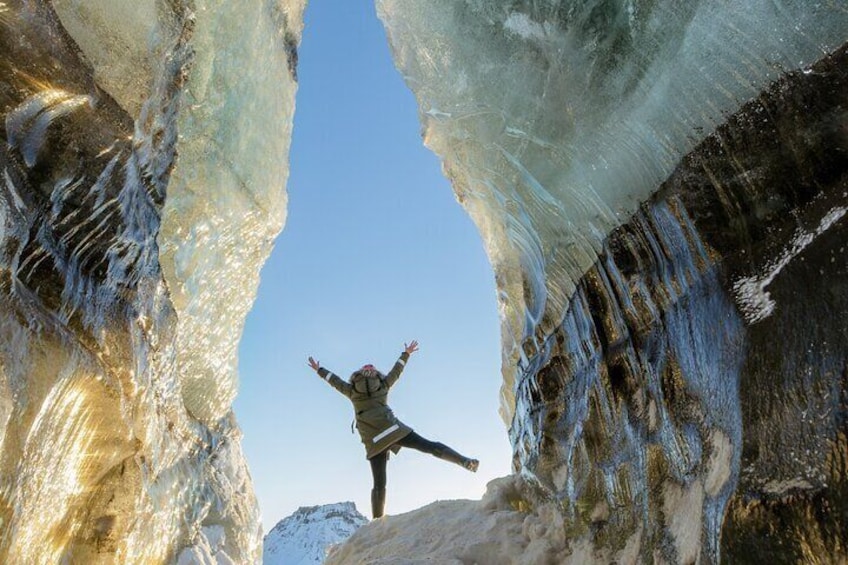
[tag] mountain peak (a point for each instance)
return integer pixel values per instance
(303, 537)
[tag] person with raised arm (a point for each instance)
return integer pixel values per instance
(379, 429)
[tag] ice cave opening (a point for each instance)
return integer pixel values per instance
(375, 252)
(661, 189)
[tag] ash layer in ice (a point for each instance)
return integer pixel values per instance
(136, 181)
(662, 191)
(682, 401)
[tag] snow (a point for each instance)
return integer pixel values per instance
(304, 537)
(751, 294)
(507, 527)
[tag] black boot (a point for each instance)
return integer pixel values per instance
(448, 454)
(378, 502)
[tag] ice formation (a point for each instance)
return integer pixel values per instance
(661, 189)
(144, 161)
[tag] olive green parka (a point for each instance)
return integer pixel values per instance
(378, 427)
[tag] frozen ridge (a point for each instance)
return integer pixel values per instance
(305, 537)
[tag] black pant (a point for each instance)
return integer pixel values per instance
(413, 441)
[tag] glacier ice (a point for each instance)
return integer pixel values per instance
(143, 172)
(642, 174)
(555, 120)
(219, 222)
(660, 187)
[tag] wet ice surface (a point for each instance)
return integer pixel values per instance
(620, 192)
(556, 120)
(142, 183)
(623, 178)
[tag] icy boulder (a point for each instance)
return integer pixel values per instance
(509, 526)
(661, 188)
(142, 179)
(305, 537)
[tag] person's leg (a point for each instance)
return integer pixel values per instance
(378, 493)
(440, 450)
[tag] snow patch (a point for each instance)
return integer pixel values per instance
(509, 526)
(780, 488)
(305, 537)
(753, 299)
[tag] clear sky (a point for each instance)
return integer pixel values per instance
(375, 252)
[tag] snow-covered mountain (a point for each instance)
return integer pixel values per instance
(303, 537)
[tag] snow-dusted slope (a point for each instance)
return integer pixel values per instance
(303, 537)
(509, 526)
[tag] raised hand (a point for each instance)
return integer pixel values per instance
(411, 348)
(314, 364)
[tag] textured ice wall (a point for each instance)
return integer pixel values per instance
(643, 174)
(143, 171)
(555, 120)
(226, 201)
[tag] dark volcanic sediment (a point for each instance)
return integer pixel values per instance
(700, 374)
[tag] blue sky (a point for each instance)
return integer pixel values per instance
(375, 252)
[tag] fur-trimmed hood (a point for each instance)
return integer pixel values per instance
(367, 381)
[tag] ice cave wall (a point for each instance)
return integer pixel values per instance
(661, 189)
(144, 161)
